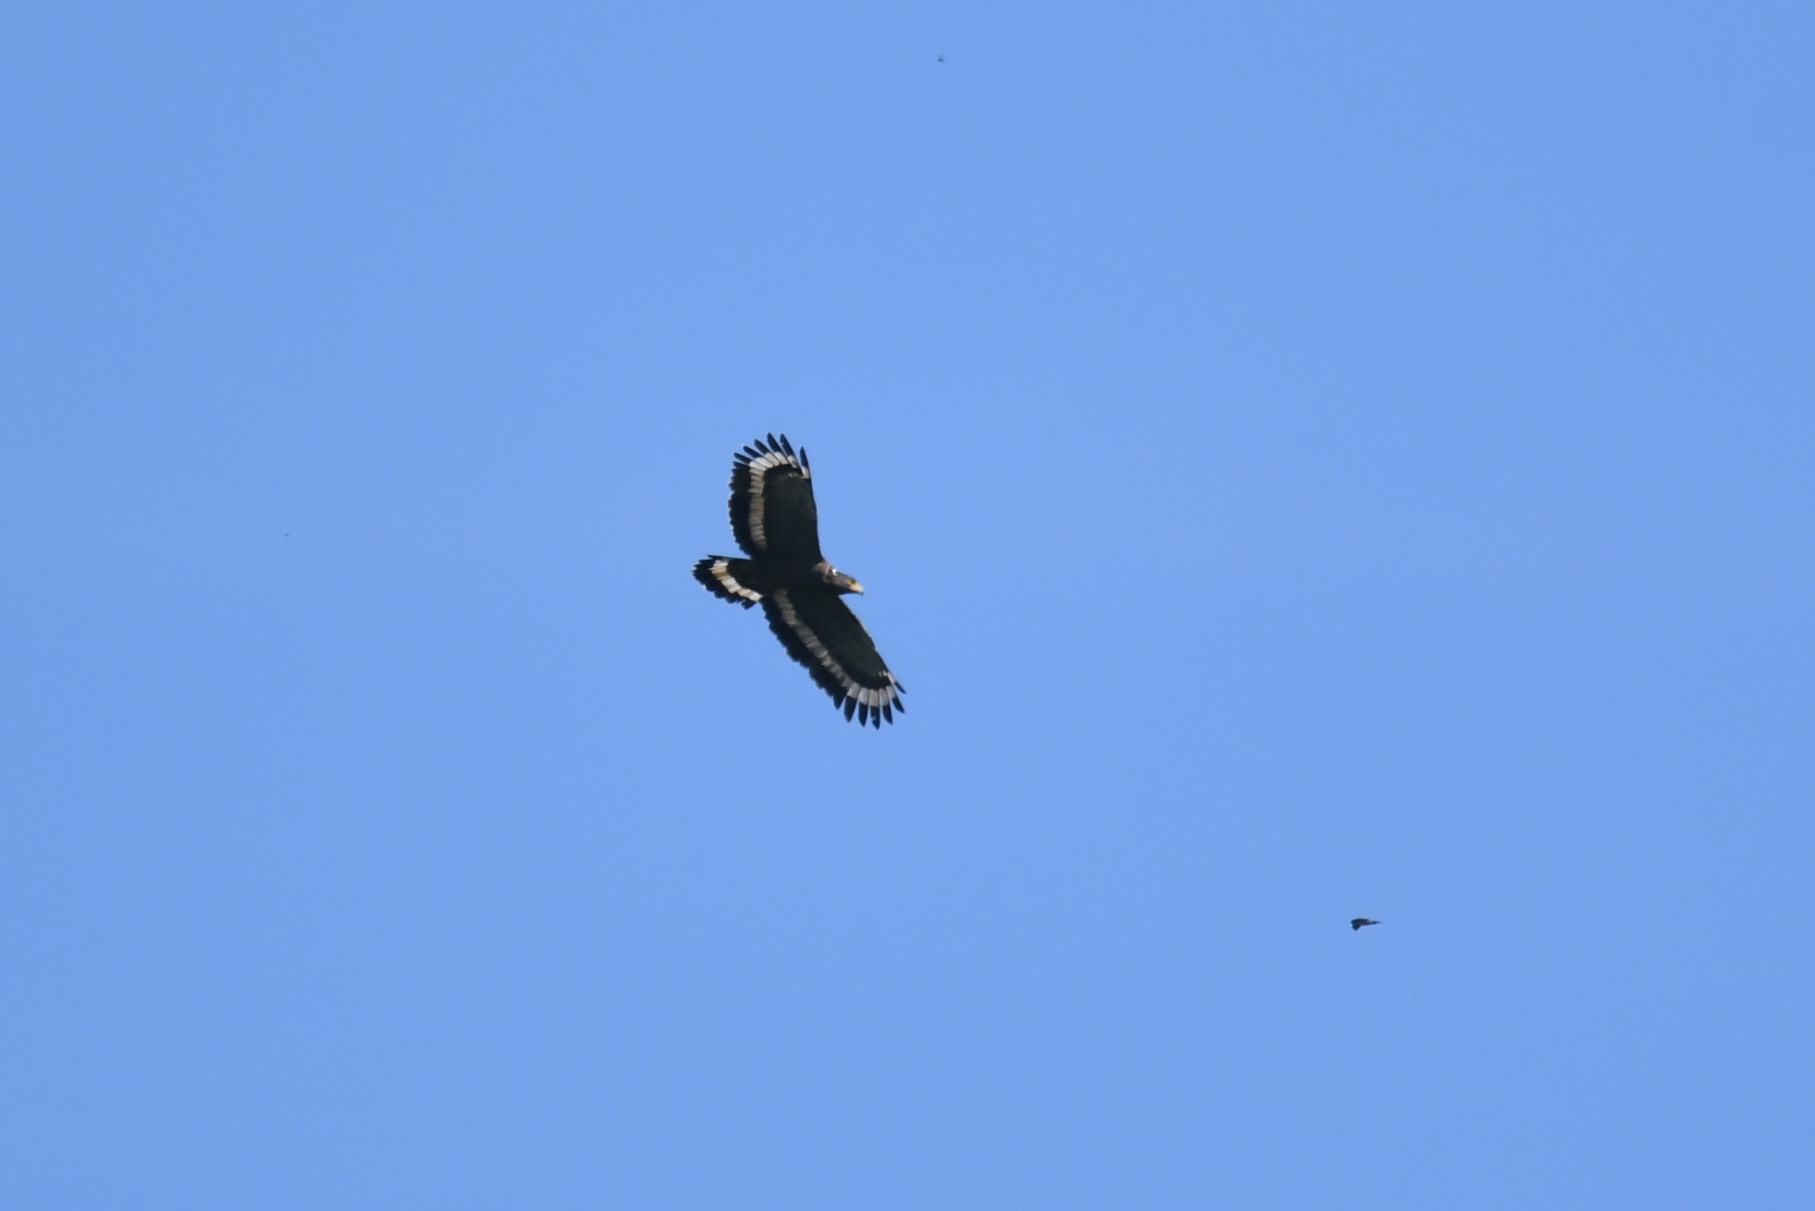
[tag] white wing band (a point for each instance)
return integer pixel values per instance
(721, 572)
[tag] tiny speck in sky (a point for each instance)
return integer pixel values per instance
(1358, 922)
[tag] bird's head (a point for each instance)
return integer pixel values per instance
(838, 580)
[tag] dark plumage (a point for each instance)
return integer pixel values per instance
(1358, 922)
(775, 521)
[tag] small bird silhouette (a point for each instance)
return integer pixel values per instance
(1358, 922)
(942, 58)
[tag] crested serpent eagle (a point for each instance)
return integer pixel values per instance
(775, 521)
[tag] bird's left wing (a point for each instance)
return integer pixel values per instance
(821, 633)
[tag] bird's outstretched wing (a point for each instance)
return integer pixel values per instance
(772, 510)
(821, 633)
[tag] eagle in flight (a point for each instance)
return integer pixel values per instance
(775, 521)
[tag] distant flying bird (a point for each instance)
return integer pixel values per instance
(942, 58)
(775, 521)
(1358, 922)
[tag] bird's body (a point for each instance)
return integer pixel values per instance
(776, 522)
(1358, 922)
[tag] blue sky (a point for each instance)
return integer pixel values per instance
(1306, 461)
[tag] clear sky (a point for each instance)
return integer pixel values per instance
(1306, 460)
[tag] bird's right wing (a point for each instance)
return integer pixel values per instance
(821, 633)
(772, 509)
